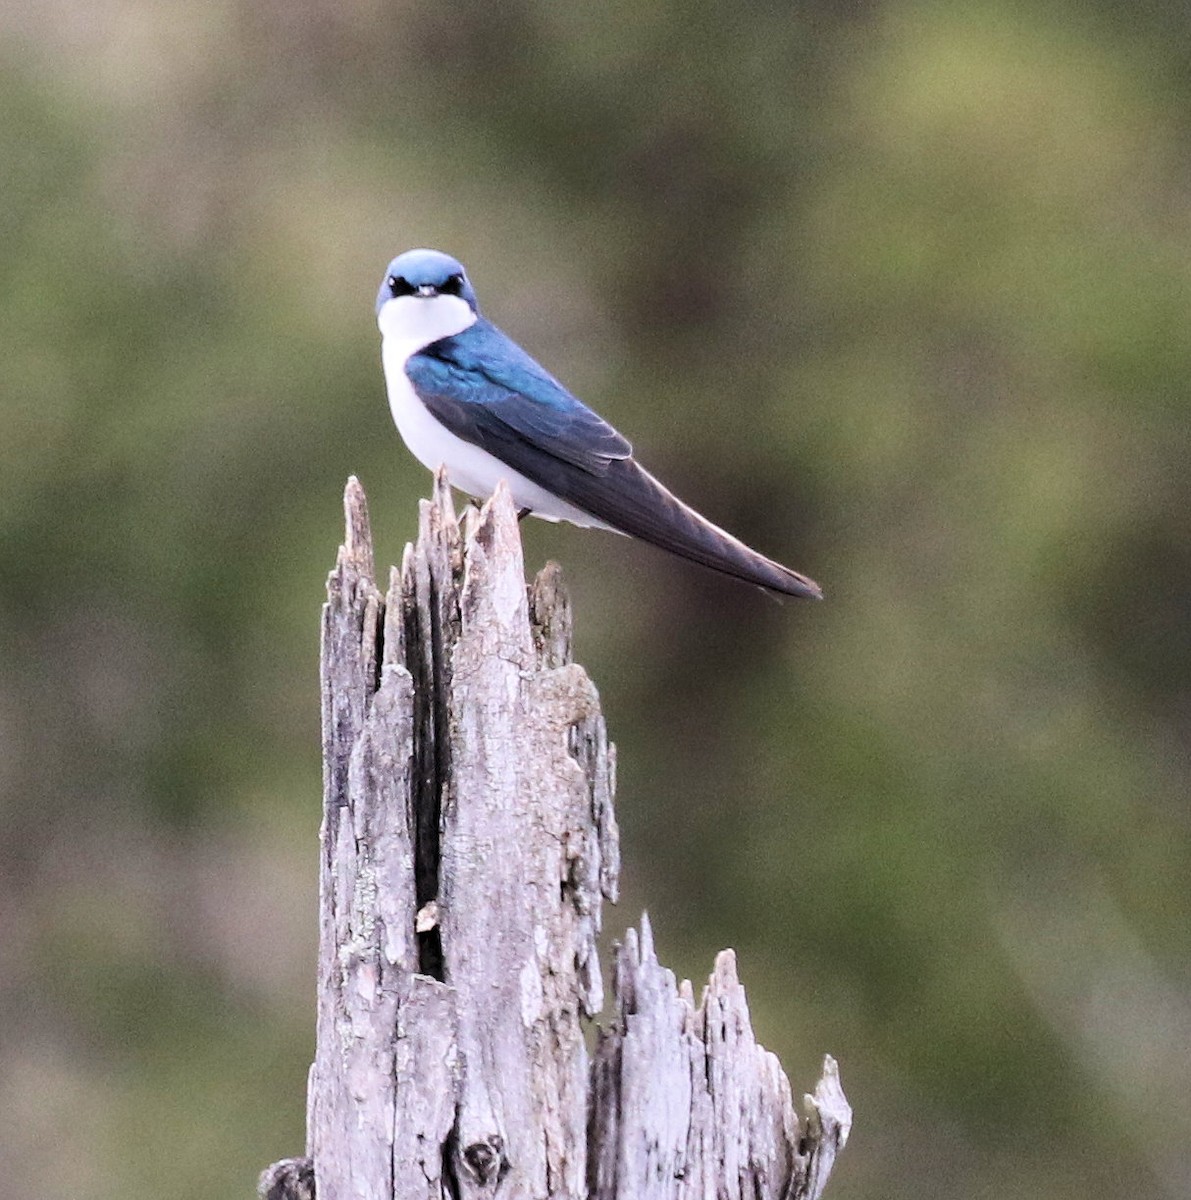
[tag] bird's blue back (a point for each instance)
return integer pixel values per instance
(484, 388)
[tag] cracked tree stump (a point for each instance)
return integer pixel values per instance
(467, 846)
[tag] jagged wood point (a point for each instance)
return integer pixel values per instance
(468, 844)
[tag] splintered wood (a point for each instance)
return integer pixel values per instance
(468, 844)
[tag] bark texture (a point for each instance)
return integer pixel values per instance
(684, 1103)
(467, 846)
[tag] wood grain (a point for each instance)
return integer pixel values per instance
(468, 844)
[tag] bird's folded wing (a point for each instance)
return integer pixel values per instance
(489, 392)
(486, 390)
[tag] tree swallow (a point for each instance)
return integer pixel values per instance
(467, 397)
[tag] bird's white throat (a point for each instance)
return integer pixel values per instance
(410, 323)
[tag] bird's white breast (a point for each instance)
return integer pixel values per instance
(409, 324)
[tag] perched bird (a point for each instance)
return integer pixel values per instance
(467, 397)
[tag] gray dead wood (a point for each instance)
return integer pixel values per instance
(467, 846)
(684, 1103)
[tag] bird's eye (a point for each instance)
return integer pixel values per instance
(453, 286)
(400, 286)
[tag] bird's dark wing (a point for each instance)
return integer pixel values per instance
(486, 390)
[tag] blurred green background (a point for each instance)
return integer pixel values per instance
(898, 291)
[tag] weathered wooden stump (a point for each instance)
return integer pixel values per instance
(468, 844)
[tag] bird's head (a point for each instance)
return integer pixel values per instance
(425, 275)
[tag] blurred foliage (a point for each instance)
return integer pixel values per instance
(898, 291)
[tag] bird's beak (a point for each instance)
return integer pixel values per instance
(427, 289)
